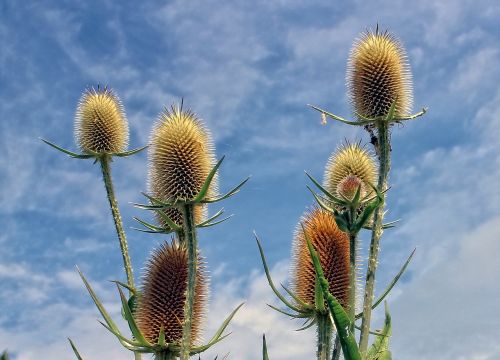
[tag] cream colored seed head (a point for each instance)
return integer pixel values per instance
(161, 304)
(350, 159)
(332, 246)
(181, 155)
(101, 125)
(378, 74)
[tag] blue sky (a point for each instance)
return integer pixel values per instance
(248, 69)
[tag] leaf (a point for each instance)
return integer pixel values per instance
(206, 185)
(340, 317)
(67, 152)
(78, 356)
(380, 347)
(265, 356)
(130, 319)
(130, 152)
(230, 193)
(326, 192)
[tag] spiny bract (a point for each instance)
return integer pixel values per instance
(332, 246)
(378, 74)
(101, 125)
(181, 155)
(350, 159)
(164, 294)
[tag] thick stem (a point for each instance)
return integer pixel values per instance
(192, 246)
(113, 204)
(384, 167)
(352, 280)
(324, 336)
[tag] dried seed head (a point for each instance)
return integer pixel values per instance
(332, 246)
(378, 74)
(181, 155)
(101, 125)
(349, 185)
(350, 159)
(164, 294)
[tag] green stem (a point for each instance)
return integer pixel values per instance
(324, 336)
(113, 204)
(192, 246)
(352, 280)
(384, 168)
(165, 355)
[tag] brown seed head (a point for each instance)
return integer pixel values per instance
(332, 246)
(350, 159)
(181, 155)
(378, 74)
(164, 294)
(101, 125)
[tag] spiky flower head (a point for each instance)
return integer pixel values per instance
(161, 304)
(349, 185)
(100, 124)
(332, 246)
(181, 155)
(351, 159)
(378, 74)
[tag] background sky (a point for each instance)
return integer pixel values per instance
(248, 68)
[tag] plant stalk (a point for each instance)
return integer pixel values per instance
(352, 280)
(384, 168)
(165, 355)
(324, 336)
(336, 348)
(113, 204)
(192, 246)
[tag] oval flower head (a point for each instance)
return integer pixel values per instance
(332, 246)
(378, 74)
(181, 156)
(347, 167)
(100, 124)
(161, 304)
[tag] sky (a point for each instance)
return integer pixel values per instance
(248, 69)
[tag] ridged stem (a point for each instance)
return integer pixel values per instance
(336, 348)
(324, 336)
(384, 168)
(113, 204)
(192, 246)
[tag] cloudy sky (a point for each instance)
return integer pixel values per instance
(248, 69)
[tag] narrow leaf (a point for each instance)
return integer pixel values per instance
(265, 356)
(67, 152)
(130, 152)
(228, 194)
(130, 319)
(78, 356)
(206, 185)
(380, 347)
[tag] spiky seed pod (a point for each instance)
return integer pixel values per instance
(181, 155)
(378, 74)
(349, 185)
(332, 246)
(350, 159)
(164, 294)
(100, 124)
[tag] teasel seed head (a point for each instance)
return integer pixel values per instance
(378, 74)
(181, 155)
(351, 159)
(100, 124)
(332, 246)
(163, 296)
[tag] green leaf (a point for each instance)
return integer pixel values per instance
(340, 317)
(152, 228)
(265, 356)
(270, 280)
(161, 337)
(326, 192)
(206, 185)
(392, 112)
(320, 201)
(338, 118)
(391, 284)
(67, 152)
(224, 325)
(130, 319)
(130, 152)
(380, 347)
(342, 222)
(78, 356)
(228, 194)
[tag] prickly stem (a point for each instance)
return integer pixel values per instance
(324, 336)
